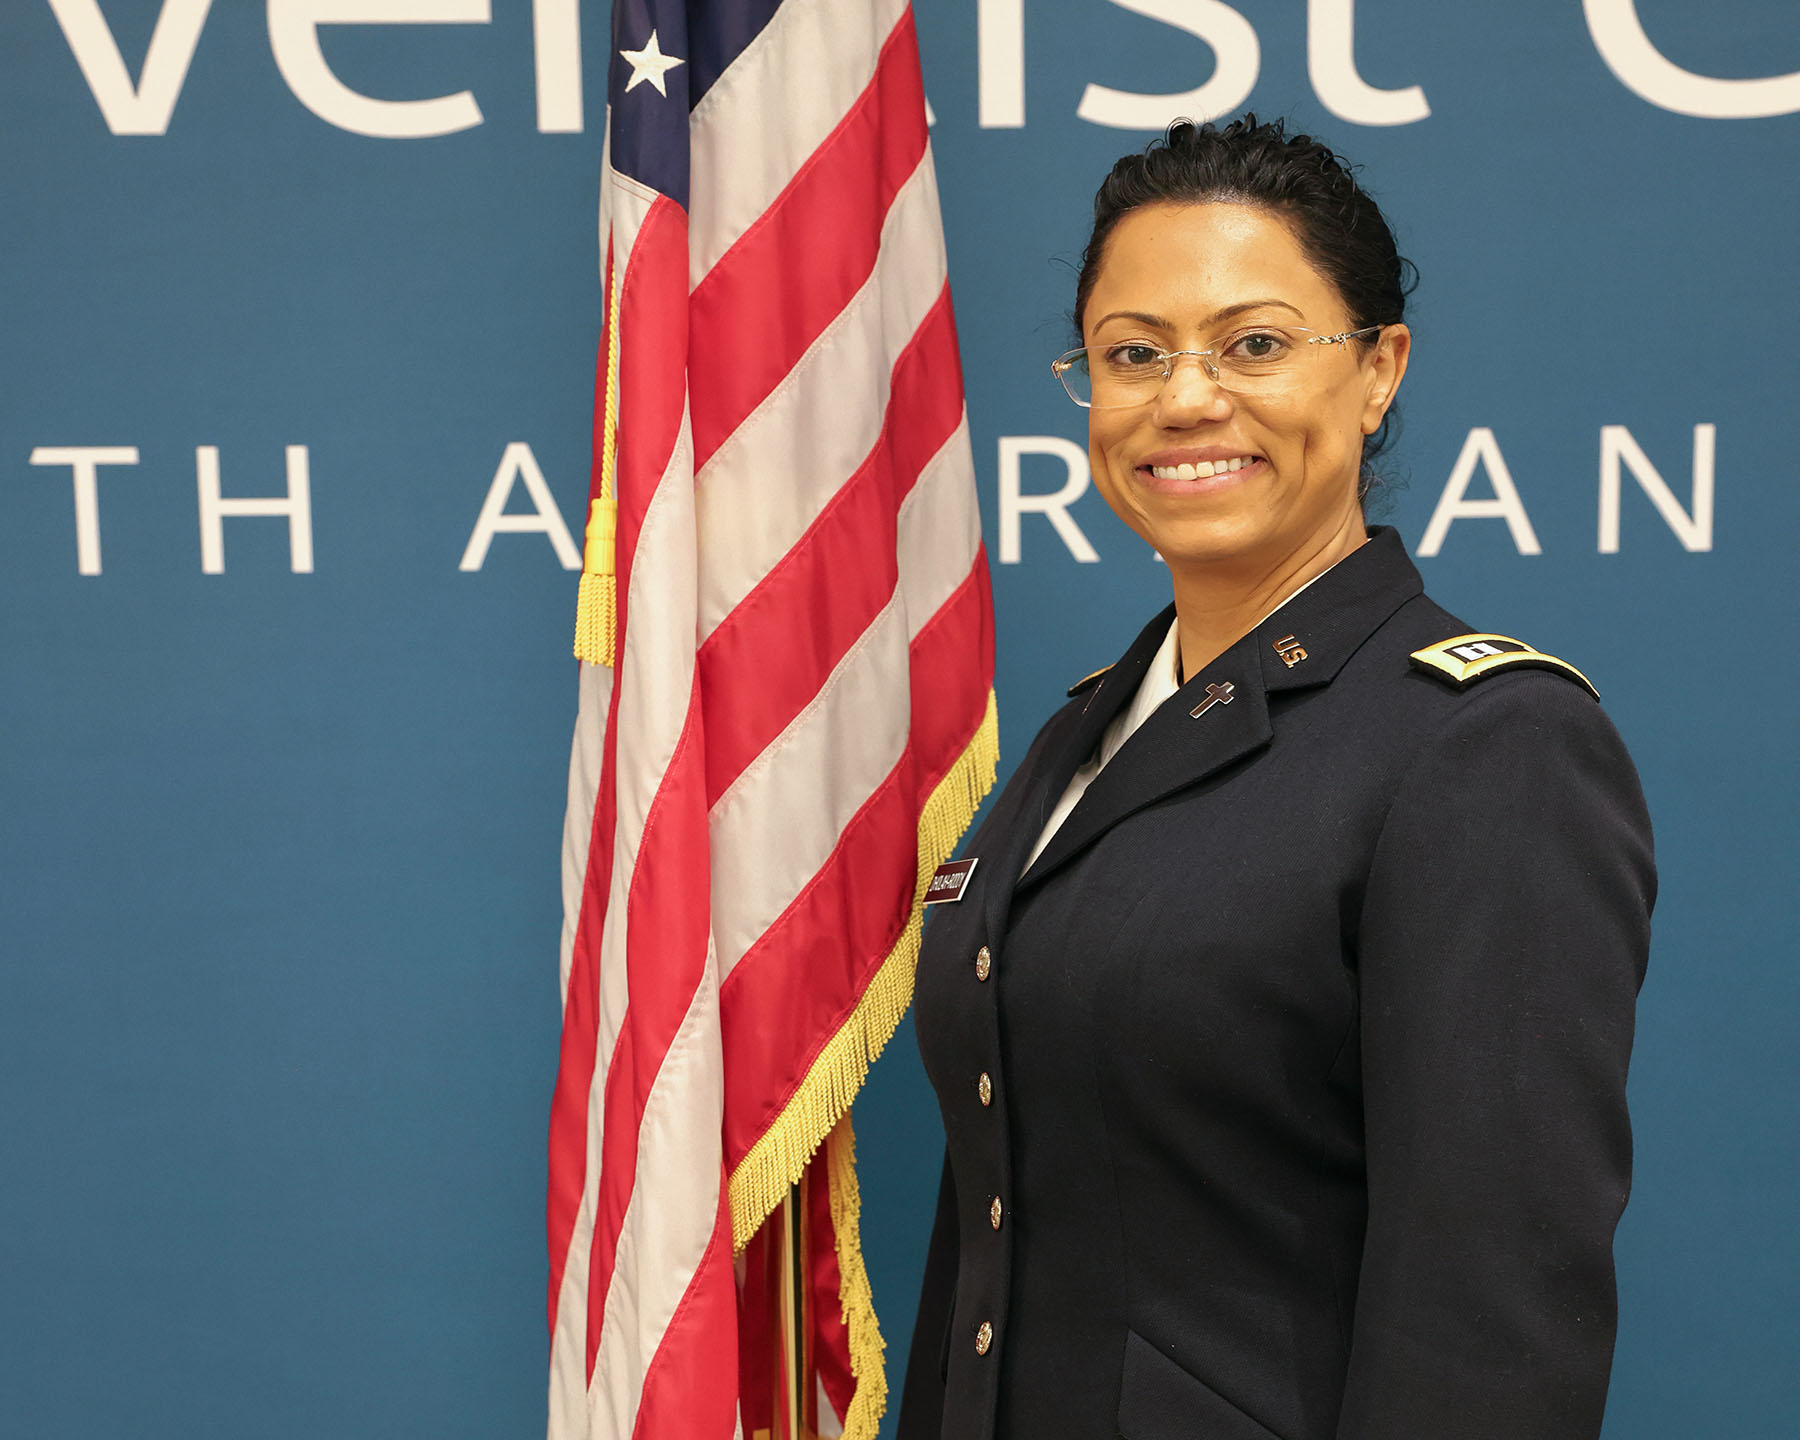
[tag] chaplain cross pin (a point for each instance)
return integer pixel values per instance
(1215, 695)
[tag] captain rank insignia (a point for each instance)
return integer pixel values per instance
(1464, 659)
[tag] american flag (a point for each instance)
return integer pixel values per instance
(786, 715)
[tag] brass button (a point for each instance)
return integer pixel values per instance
(984, 1087)
(984, 1337)
(994, 1213)
(984, 963)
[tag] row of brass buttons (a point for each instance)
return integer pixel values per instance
(984, 1087)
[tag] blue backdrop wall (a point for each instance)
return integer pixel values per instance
(280, 793)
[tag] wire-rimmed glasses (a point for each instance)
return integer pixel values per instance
(1258, 360)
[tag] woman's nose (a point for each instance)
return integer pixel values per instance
(1190, 395)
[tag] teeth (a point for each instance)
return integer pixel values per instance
(1203, 470)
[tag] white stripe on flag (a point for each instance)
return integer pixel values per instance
(818, 425)
(656, 671)
(755, 128)
(624, 204)
(940, 530)
(658, 664)
(775, 828)
(672, 1214)
(777, 825)
(586, 751)
(568, 1358)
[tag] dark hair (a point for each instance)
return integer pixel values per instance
(1338, 225)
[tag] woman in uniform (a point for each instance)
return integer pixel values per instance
(1280, 1031)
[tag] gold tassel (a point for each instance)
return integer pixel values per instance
(781, 1153)
(597, 601)
(867, 1348)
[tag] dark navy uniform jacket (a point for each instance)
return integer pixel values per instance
(1285, 1094)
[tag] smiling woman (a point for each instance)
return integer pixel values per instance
(1281, 1033)
(1286, 415)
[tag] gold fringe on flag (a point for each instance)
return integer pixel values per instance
(777, 1160)
(819, 1111)
(597, 602)
(867, 1348)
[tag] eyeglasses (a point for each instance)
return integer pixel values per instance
(1263, 360)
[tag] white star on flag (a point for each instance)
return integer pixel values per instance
(649, 64)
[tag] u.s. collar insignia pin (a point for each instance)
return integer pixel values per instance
(1291, 651)
(949, 881)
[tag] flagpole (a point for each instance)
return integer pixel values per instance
(791, 1267)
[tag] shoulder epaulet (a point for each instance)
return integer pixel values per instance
(1464, 659)
(1087, 680)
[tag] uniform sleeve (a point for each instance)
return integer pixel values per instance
(922, 1399)
(1503, 938)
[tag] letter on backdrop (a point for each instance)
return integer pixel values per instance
(1054, 506)
(518, 463)
(1645, 71)
(85, 461)
(1331, 62)
(1000, 45)
(1234, 45)
(1480, 449)
(296, 505)
(556, 51)
(294, 39)
(1695, 532)
(143, 108)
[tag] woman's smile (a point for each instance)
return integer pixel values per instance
(1199, 472)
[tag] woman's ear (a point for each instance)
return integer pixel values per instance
(1386, 372)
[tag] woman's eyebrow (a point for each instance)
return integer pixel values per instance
(1162, 323)
(1155, 321)
(1243, 305)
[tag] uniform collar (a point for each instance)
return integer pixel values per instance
(1331, 618)
(1318, 629)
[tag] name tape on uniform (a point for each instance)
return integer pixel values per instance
(949, 881)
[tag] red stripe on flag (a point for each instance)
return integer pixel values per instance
(666, 930)
(824, 1279)
(768, 659)
(792, 272)
(651, 398)
(655, 282)
(795, 987)
(575, 1065)
(580, 1031)
(653, 342)
(690, 1387)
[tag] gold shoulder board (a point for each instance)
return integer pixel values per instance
(1087, 680)
(1464, 659)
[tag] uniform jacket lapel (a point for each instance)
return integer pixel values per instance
(1080, 728)
(1322, 626)
(1171, 750)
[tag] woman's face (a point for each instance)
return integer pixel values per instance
(1184, 277)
